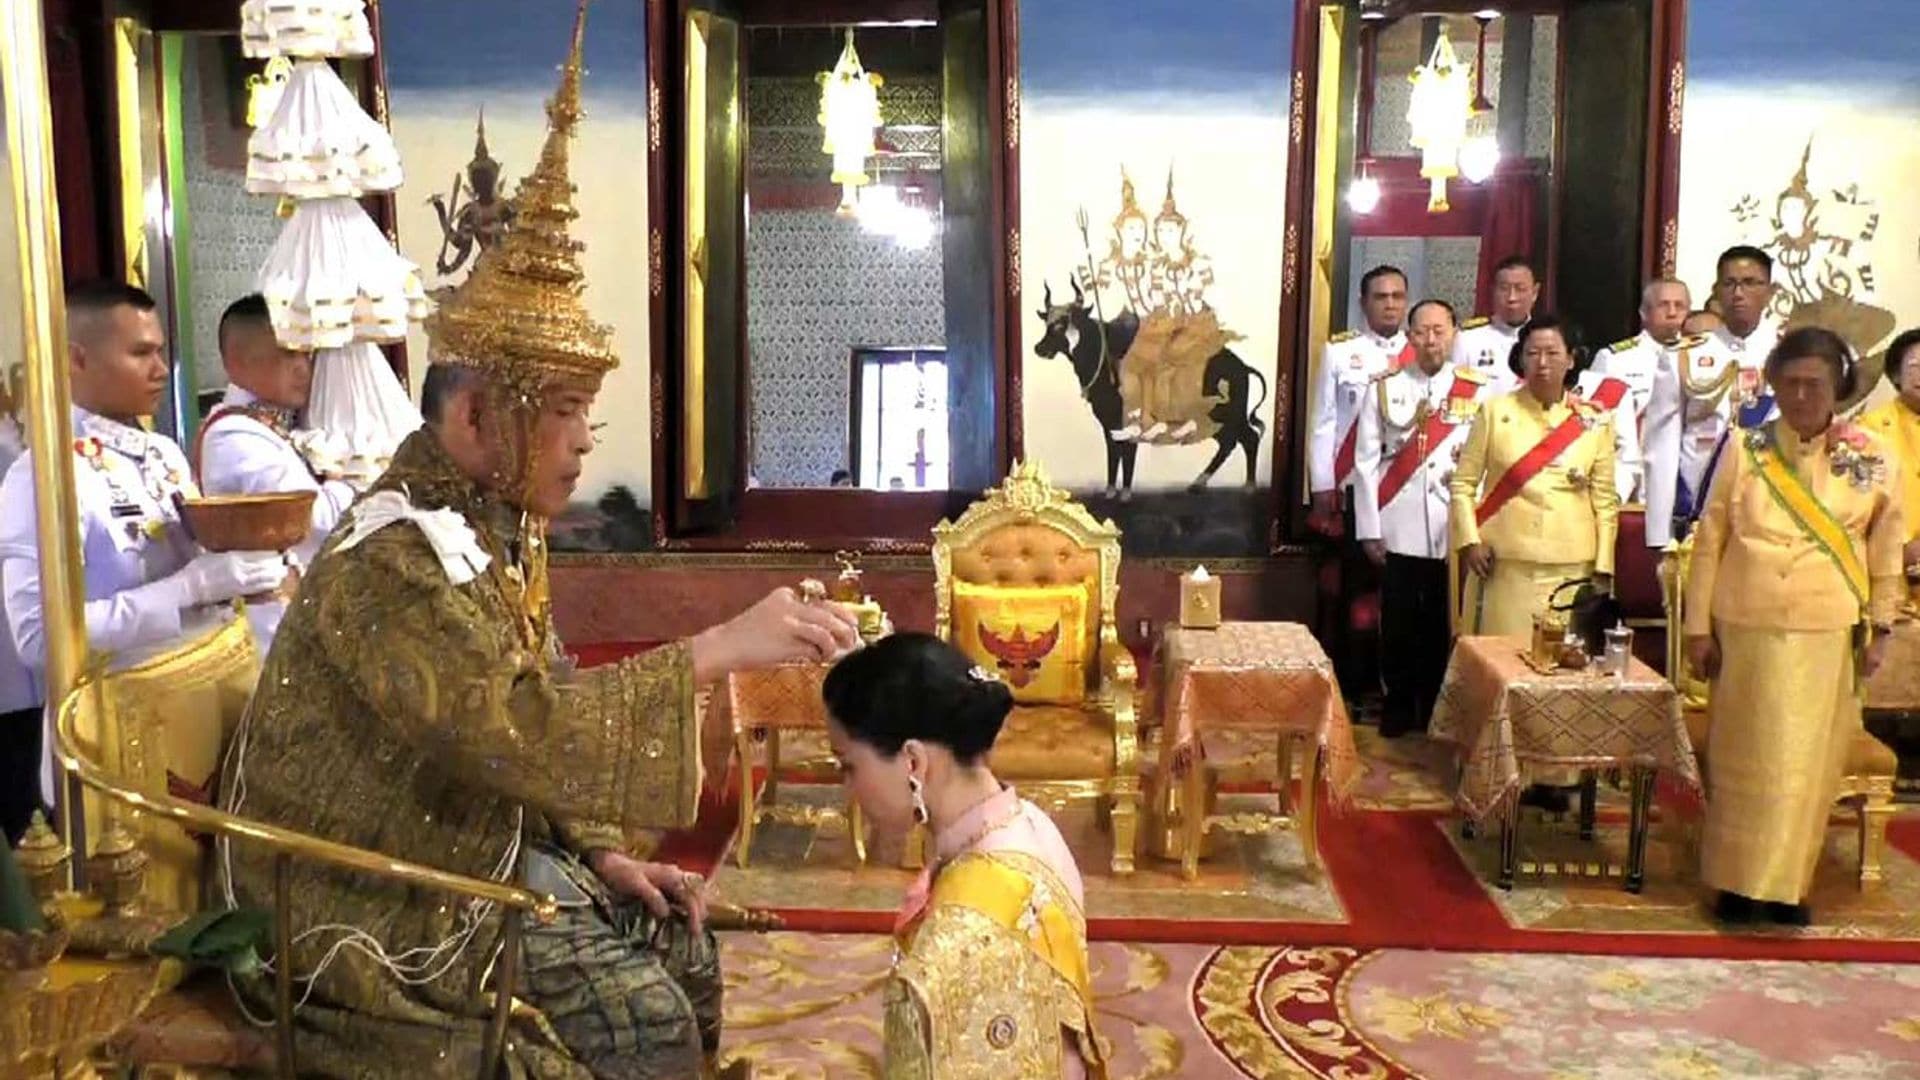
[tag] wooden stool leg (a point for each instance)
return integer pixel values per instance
(1589, 802)
(1307, 821)
(749, 809)
(1642, 809)
(1509, 842)
(1283, 771)
(1193, 821)
(1876, 808)
(773, 767)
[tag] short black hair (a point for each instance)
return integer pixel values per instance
(105, 294)
(1434, 301)
(1367, 279)
(1517, 262)
(1540, 324)
(1743, 251)
(89, 301)
(248, 311)
(1821, 343)
(1897, 352)
(442, 381)
(839, 475)
(915, 686)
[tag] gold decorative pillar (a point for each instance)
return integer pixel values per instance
(28, 122)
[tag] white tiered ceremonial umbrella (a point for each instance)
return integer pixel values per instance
(332, 281)
(319, 143)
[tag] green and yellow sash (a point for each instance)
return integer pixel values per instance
(1789, 489)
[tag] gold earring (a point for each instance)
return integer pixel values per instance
(915, 794)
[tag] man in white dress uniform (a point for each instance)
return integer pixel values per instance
(148, 585)
(1486, 342)
(1411, 432)
(246, 443)
(1639, 361)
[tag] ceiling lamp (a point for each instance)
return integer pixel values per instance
(1363, 195)
(1442, 103)
(849, 111)
(1480, 157)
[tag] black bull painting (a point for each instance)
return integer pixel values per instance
(1095, 349)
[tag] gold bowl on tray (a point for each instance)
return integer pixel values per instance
(272, 521)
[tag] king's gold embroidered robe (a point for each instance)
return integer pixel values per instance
(405, 714)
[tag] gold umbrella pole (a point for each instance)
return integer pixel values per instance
(28, 121)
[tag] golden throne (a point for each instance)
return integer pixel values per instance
(1867, 786)
(1028, 540)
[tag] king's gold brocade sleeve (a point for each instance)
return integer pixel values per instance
(443, 668)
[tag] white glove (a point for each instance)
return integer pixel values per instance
(223, 575)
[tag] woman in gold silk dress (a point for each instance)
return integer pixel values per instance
(991, 977)
(1896, 424)
(1795, 579)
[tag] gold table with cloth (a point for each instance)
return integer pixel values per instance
(1507, 717)
(1267, 677)
(760, 705)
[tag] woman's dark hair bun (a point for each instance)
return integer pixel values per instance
(915, 686)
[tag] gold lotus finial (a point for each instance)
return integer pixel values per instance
(520, 314)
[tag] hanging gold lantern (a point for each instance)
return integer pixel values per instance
(1442, 103)
(850, 113)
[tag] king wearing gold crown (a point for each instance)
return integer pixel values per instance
(416, 702)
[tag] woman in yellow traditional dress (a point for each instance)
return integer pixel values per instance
(1794, 583)
(1534, 503)
(991, 978)
(1896, 424)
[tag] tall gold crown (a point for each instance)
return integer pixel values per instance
(520, 315)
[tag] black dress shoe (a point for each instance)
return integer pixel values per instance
(1553, 800)
(1734, 909)
(1789, 914)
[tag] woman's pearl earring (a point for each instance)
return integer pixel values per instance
(919, 800)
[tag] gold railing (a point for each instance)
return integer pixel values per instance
(286, 844)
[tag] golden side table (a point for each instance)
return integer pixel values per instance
(1267, 677)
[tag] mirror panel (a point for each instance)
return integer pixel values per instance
(1447, 254)
(846, 319)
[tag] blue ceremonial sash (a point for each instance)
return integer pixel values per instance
(1687, 504)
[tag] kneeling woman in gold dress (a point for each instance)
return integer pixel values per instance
(1794, 583)
(991, 977)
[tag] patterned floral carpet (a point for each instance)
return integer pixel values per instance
(808, 1006)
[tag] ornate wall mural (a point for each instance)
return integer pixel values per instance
(1153, 157)
(1812, 161)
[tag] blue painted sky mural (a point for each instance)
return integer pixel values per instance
(512, 45)
(1863, 46)
(1157, 48)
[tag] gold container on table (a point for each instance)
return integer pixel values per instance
(1200, 600)
(1549, 634)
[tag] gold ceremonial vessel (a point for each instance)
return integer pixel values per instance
(273, 521)
(1549, 634)
(849, 592)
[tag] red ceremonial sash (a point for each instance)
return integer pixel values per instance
(1414, 452)
(221, 412)
(1565, 434)
(1343, 458)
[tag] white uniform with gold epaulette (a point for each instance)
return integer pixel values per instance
(1414, 521)
(1636, 361)
(1485, 344)
(1701, 385)
(1347, 369)
(124, 481)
